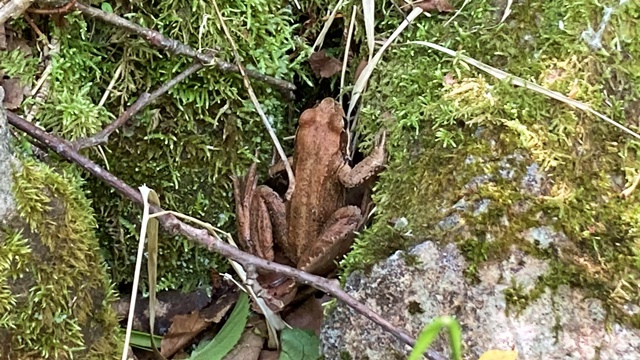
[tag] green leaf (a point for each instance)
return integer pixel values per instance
(228, 336)
(299, 344)
(141, 339)
(106, 7)
(430, 332)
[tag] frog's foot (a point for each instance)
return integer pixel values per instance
(335, 240)
(368, 167)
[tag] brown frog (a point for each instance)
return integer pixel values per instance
(315, 226)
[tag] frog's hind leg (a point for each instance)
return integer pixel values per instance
(268, 221)
(334, 240)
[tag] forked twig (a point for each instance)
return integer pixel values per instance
(144, 100)
(176, 47)
(203, 237)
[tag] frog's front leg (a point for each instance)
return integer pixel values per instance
(334, 240)
(367, 168)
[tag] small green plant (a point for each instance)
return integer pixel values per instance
(299, 344)
(430, 332)
(228, 336)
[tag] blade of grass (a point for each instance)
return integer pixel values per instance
(144, 190)
(318, 44)
(507, 10)
(368, 10)
(152, 262)
(256, 103)
(429, 333)
(346, 50)
(363, 79)
(228, 336)
(458, 12)
(142, 340)
(514, 80)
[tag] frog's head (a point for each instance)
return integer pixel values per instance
(328, 113)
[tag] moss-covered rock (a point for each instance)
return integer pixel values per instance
(450, 124)
(55, 297)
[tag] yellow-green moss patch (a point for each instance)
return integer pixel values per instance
(53, 281)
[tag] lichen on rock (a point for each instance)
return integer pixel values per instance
(559, 324)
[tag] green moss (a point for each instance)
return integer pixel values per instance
(186, 144)
(445, 132)
(344, 355)
(50, 313)
(15, 63)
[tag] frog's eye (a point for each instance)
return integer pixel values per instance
(307, 118)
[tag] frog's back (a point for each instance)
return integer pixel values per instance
(318, 155)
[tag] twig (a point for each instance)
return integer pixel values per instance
(256, 104)
(59, 10)
(35, 28)
(201, 236)
(40, 91)
(112, 83)
(13, 9)
(144, 100)
(176, 47)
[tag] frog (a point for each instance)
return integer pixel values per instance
(315, 226)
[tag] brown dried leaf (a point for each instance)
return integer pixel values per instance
(186, 327)
(324, 66)
(183, 329)
(269, 355)
(308, 316)
(248, 348)
(363, 63)
(434, 5)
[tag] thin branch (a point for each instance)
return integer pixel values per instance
(144, 100)
(176, 47)
(59, 10)
(202, 237)
(40, 91)
(256, 104)
(35, 28)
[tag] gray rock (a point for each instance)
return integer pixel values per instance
(7, 203)
(560, 324)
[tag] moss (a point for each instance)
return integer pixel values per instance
(345, 356)
(186, 144)
(449, 125)
(50, 313)
(15, 63)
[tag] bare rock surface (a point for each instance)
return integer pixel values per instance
(410, 289)
(7, 204)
